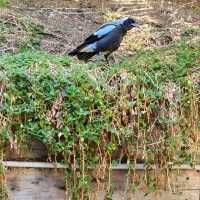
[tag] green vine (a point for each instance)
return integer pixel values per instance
(145, 110)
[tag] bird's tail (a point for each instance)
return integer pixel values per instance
(85, 55)
(81, 55)
(76, 51)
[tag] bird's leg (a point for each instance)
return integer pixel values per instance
(106, 57)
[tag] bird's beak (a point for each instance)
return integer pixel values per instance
(135, 25)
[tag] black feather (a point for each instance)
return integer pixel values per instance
(85, 55)
(75, 51)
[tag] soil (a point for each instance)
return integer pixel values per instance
(68, 22)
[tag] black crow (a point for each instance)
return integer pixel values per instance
(107, 39)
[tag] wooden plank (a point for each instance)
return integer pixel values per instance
(43, 165)
(49, 184)
(22, 164)
(35, 184)
(164, 195)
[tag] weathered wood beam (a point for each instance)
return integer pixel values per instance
(20, 164)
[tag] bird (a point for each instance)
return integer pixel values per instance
(106, 39)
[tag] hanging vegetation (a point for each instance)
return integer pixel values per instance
(145, 110)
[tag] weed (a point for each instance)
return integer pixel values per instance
(189, 31)
(17, 32)
(4, 3)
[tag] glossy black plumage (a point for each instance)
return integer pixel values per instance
(106, 38)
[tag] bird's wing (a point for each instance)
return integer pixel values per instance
(104, 30)
(100, 33)
(89, 48)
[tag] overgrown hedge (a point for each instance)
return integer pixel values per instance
(145, 110)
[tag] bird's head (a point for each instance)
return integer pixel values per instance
(128, 23)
